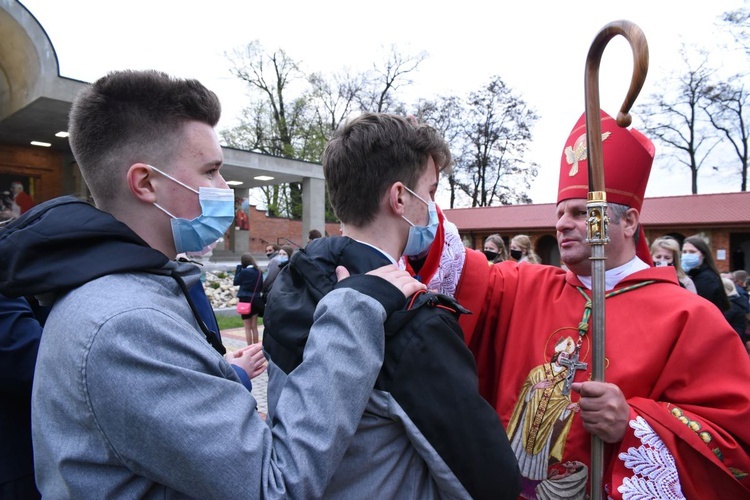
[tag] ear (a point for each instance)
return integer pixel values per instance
(395, 198)
(140, 179)
(630, 222)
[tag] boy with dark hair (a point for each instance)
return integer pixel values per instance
(130, 396)
(426, 432)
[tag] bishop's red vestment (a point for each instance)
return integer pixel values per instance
(682, 369)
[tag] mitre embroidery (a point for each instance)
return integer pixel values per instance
(578, 152)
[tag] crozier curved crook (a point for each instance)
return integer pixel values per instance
(637, 40)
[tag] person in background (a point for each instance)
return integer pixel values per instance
(738, 309)
(742, 283)
(313, 235)
(698, 263)
(740, 278)
(665, 251)
(285, 252)
(494, 249)
(522, 251)
(272, 250)
(22, 201)
(272, 268)
(275, 267)
(249, 278)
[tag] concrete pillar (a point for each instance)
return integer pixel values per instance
(313, 206)
(240, 237)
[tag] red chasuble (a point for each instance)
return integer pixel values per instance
(681, 367)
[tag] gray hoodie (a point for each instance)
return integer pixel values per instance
(131, 401)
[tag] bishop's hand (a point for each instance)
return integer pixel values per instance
(604, 410)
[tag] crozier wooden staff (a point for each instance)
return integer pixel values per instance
(597, 223)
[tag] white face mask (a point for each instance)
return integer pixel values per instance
(217, 214)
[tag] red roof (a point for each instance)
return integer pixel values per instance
(725, 209)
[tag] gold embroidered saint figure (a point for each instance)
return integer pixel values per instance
(543, 414)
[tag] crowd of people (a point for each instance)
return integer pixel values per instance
(520, 249)
(401, 364)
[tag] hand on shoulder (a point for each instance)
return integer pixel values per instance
(399, 278)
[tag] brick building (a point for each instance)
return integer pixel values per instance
(264, 230)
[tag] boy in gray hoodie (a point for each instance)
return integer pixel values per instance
(131, 396)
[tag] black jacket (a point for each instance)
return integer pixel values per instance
(428, 376)
(250, 281)
(58, 245)
(63, 243)
(20, 333)
(736, 316)
(709, 286)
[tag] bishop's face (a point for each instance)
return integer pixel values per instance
(571, 236)
(572, 232)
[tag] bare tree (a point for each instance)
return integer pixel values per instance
(444, 114)
(675, 116)
(489, 134)
(251, 135)
(335, 98)
(728, 110)
(385, 79)
(496, 132)
(293, 115)
(739, 23)
(272, 123)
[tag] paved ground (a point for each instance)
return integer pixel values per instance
(234, 339)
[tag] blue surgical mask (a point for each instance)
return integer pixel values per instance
(217, 214)
(421, 237)
(690, 261)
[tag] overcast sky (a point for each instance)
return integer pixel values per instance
(538, 48)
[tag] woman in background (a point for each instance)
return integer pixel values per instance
(521, 251)
(665, 251)
(494, 249)
(278, 262)
(698, 263)
(250, 280)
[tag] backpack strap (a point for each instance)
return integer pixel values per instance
(423, 300)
